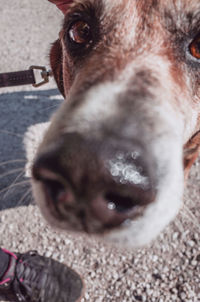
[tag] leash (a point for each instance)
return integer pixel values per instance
(25, 77)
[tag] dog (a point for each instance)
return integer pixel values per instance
(113, 160)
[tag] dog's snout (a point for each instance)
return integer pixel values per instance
(104, 181)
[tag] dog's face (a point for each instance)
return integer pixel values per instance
(112, 161)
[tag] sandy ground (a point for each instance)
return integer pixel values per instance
(167, 270)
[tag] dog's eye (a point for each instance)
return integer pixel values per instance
(195, 48)
(80, 33)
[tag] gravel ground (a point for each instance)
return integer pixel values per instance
(167, 270)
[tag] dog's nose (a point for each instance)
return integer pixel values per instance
(108, 180)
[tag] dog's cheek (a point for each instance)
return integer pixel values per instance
(191, 152)
(56, 61)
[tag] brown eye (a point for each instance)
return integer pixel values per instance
(195, 48)
(80, 32)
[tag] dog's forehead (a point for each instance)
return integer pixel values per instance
(175, 5)
(152, 18)
(180, 11)
(133, 11)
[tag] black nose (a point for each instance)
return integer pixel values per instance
(110, 181)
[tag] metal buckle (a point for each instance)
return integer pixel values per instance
(45, 74)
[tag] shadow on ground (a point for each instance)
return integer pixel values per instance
(18, 111)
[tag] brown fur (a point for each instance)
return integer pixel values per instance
(152, 13)
(134, 84)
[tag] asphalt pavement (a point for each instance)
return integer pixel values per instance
(27, 30)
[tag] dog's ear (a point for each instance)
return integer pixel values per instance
(56, 60)
(63, 5)
(191, 152)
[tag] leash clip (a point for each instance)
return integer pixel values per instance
(45, 74)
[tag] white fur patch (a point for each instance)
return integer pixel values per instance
(164, 121)
(99, 104)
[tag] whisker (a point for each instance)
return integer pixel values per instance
(14, 186)
(191, 216)
(50, 107)
(20, 202)
(179, 225)
(15, 180)
(12, 162)
(31, 199)
(11, 133)
(10, 172)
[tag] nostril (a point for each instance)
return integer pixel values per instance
(59, 196)
(119, 203)
(55, 189)
(113, 208)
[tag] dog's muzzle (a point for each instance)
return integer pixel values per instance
(95, 185)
